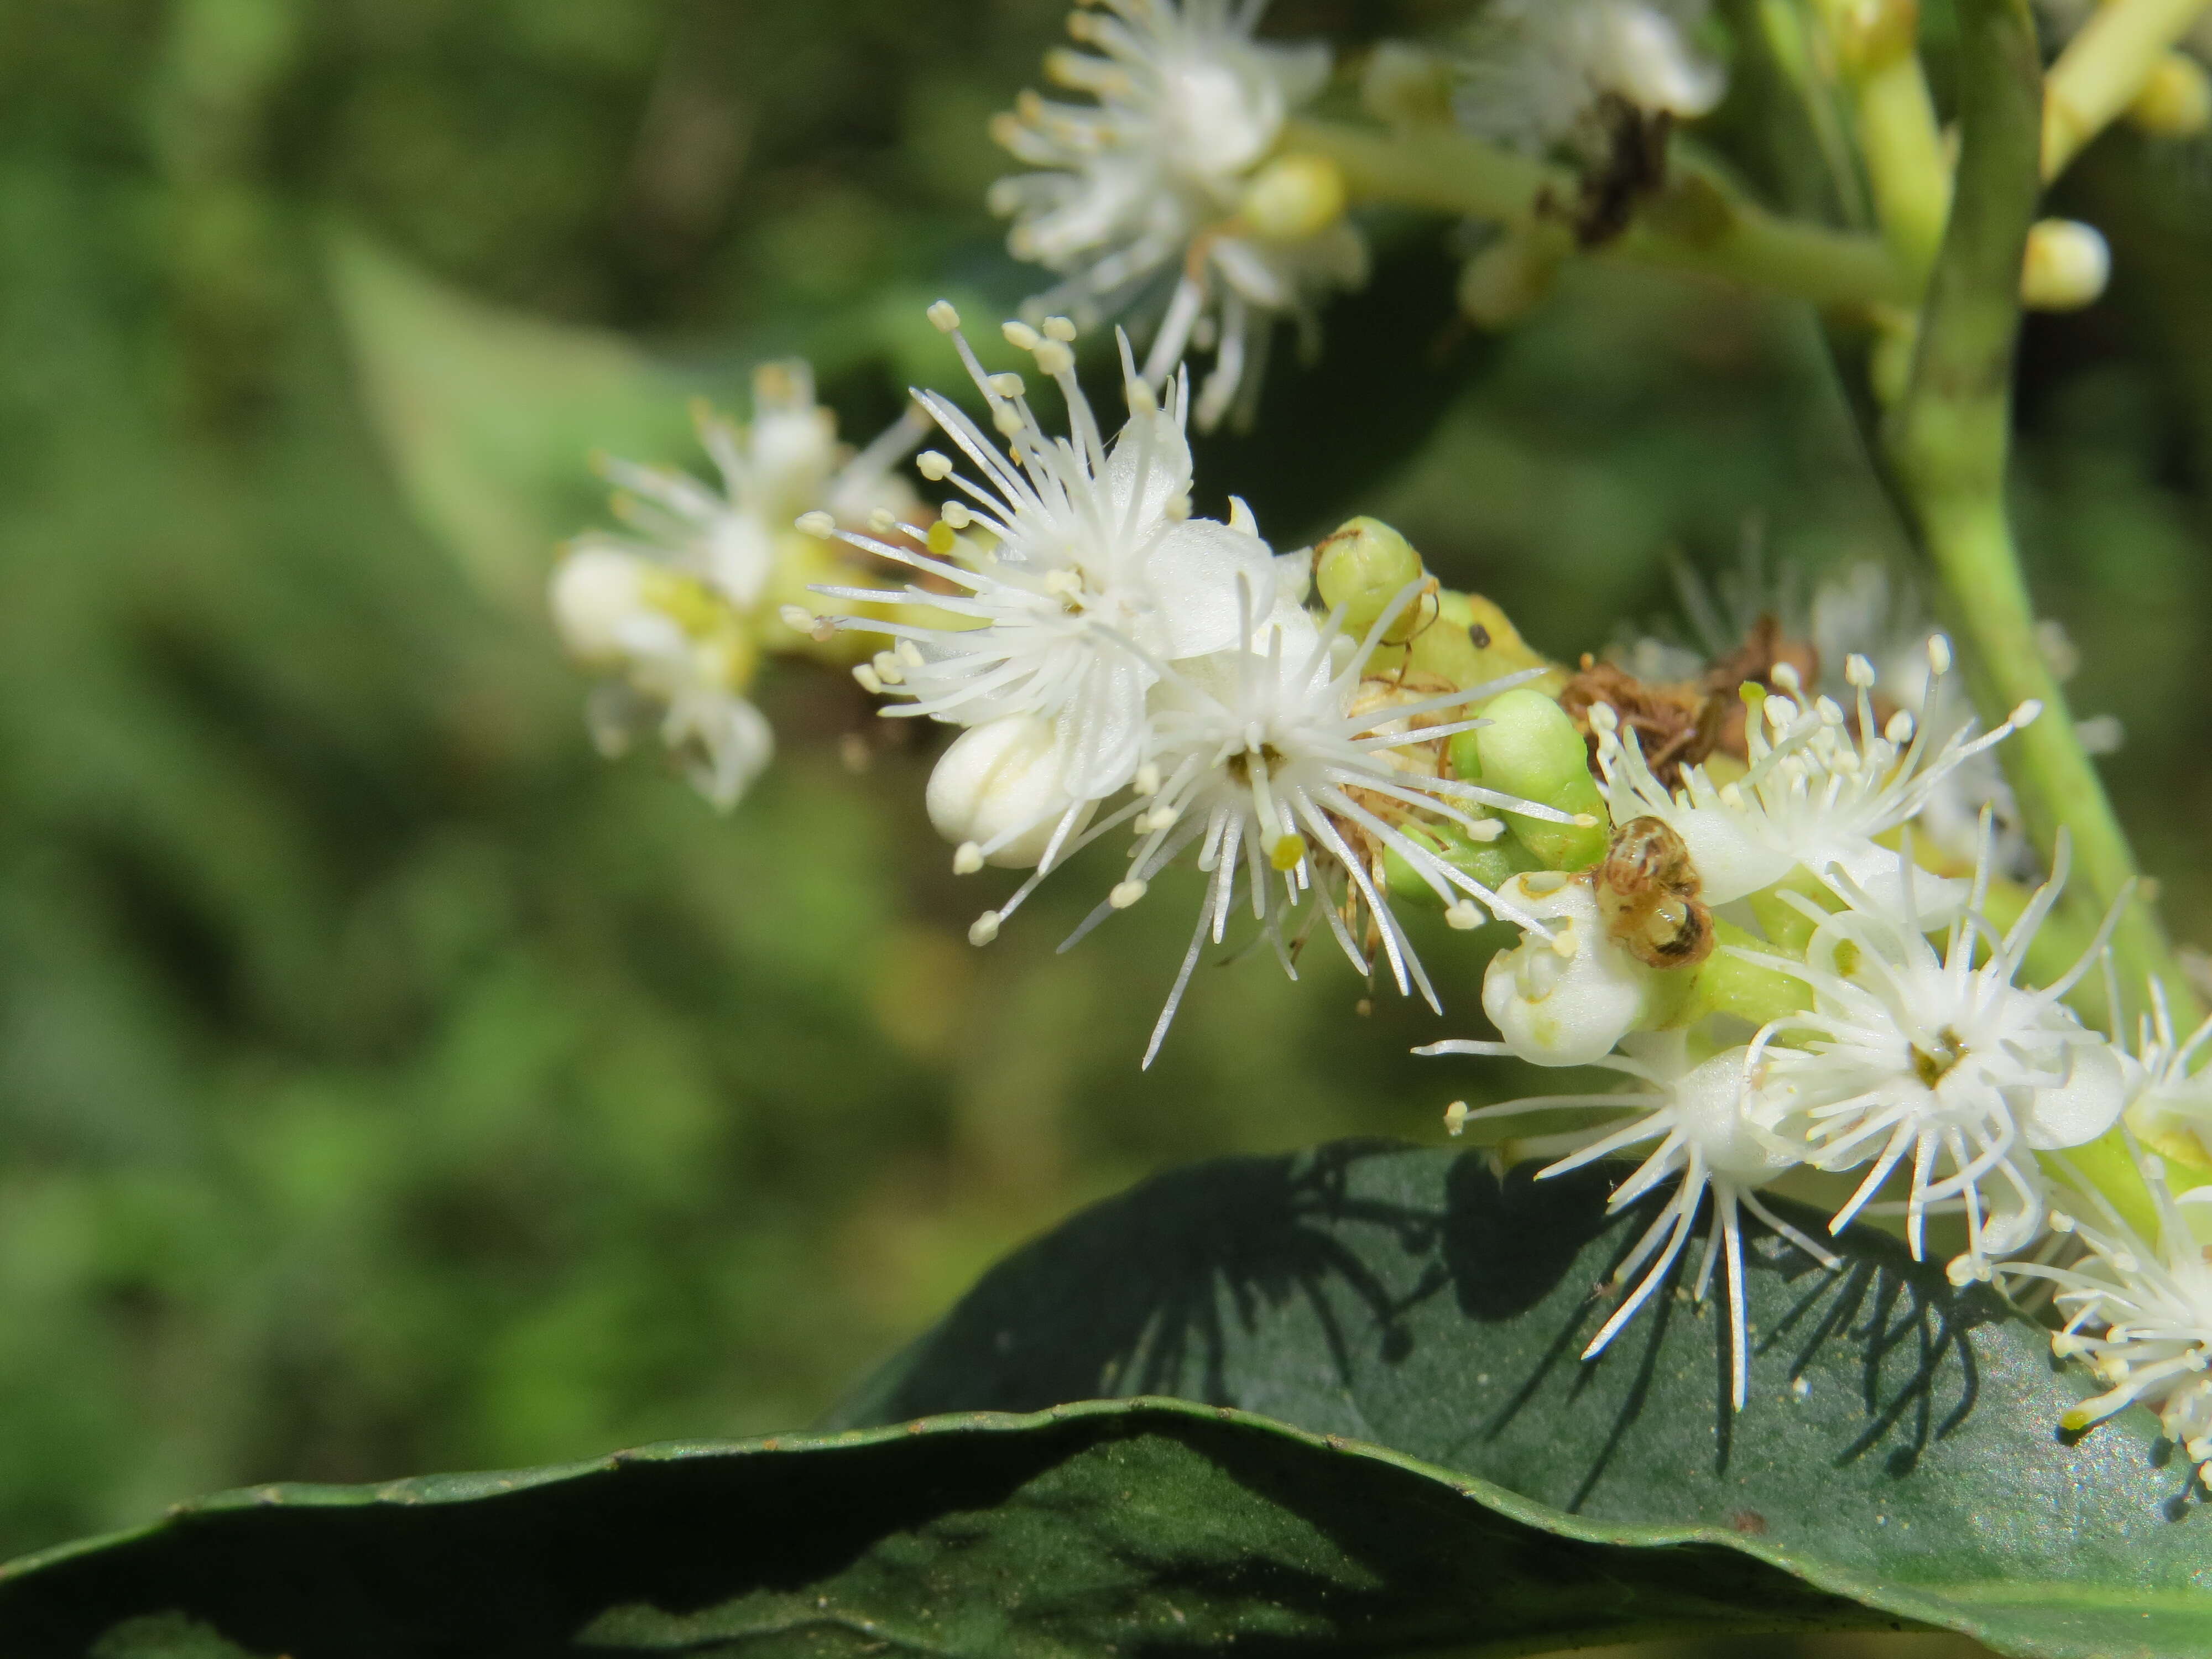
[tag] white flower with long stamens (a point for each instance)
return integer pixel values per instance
(1094, 573)
(2139, 1314)
(1539, 68)
(786, 462)
(1706, 1145)
(677, 661)
(1293, 785)
(1816, 796)
(1944, 1060)
(1166, 170)
(2173, 1106)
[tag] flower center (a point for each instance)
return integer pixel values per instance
(1931, 1064)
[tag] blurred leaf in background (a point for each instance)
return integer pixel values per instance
(388, 1084)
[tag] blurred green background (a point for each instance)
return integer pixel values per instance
(388, 1084)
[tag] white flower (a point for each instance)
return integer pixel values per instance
(1816, 797)
(1566, 994)
(1096, 575)
(1539, 68)
(1281, 766)
(1155, 175)
(1706, 1145)
(785, 463)
(1944, 1060)
(678, 661)
(2139, 1315)
(2173, 1104)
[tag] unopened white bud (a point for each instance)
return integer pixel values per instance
(998, 786)
(2067, 266)
(1568, 1006)
(595, 593)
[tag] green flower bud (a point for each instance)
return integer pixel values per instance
(1727, 984)
(1492, 863)
(1364, 566)
(1531, 749)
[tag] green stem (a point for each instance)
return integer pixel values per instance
(1700, 222)
(1948, 441)
(2104, 68)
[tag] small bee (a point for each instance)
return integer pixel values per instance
(1647, 892)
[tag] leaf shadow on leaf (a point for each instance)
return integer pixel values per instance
(1296, 1285)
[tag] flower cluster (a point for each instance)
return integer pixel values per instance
(1118, 661)
(675, 617)
(1169, 186)
(1763, 951)
(1777, 882)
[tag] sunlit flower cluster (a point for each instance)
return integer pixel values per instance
(1118, 662)
(1167, 190)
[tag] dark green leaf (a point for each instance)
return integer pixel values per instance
(1900, 1445)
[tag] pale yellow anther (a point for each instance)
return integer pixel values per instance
(1148, 780)
(933, 464)
(1455, 1117)
(1055, 359)
(1124, 894)
(1007, 419)
(1060, 329)
(1463, 917)
(1007, 386)
(943, 317)
(1288, 852)
(984, 928)
(797, 618)
(869, 681)
(967, 859)
(956, 514)
(1021, 335)
(882, 520)
(818, 525)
